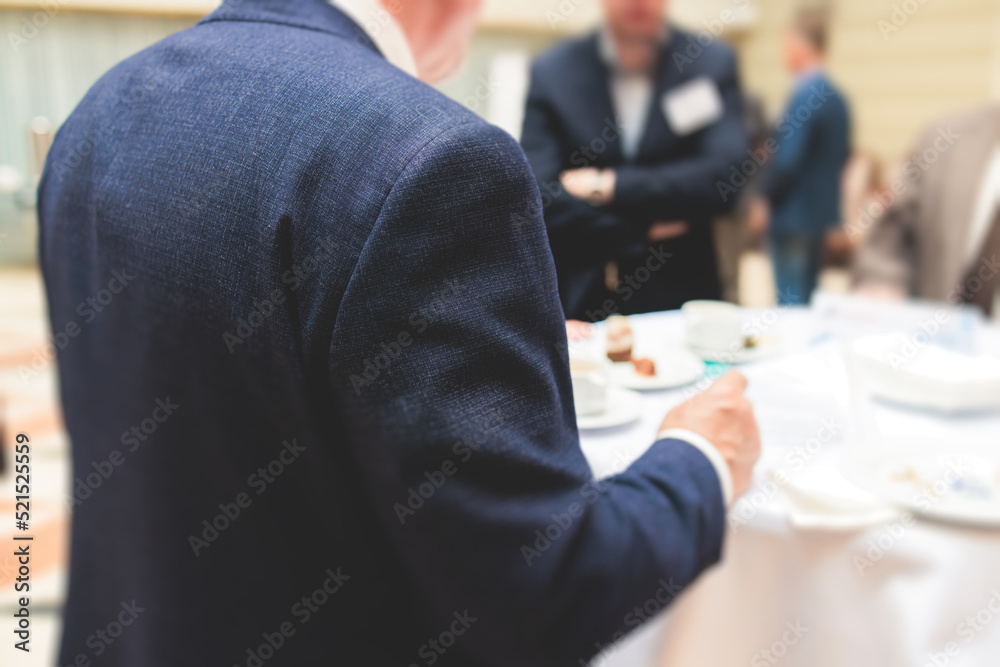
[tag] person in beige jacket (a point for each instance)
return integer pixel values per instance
(936, 232)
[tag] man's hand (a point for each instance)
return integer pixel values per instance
(723, 416)
(577, 331)
(664, 231)
(594, 186)
(758, 216)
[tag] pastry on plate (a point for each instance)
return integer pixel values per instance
(620, 339)
(644, 367)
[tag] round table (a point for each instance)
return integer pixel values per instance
(882, 595)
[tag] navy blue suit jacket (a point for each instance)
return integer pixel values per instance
(811, 145)
(570, 122)
(318, 367)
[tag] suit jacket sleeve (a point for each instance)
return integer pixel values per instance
(448, 359)
(564, 213)
(692, 187)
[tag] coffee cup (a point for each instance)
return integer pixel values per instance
(715, 327)
(590, 386)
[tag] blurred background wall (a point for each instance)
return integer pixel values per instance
(903, 63)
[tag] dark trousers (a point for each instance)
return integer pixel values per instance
(662, 276)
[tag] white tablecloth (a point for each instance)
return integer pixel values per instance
(788, 596)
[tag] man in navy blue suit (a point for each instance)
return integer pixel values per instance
(315, 375)
(629, 130)
(809, 149)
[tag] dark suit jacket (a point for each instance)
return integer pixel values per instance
(317, 367)
(570, 122)
(811, 144)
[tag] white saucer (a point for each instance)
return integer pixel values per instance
(744, 355)
(674, 368)
(926, 483)
(624, 407)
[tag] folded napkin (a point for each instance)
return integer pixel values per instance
(820, 497)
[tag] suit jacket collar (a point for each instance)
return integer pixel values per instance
(657, 135)
(309, 14)
(594, 83)
(667, 75)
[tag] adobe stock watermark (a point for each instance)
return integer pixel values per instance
(665, 593)
(631, 283)
(584, 156)
(795, 460)
(87, 310)
(107, 124)
(712, 30)
(773, 654)
(302, 611)
(486, 88)
(420, 494)
(967, 630)
(419, 321)
(911, 173)
(925, 500)
(263, 309)
(911, 345)
(984, 274)
(103, 638)
(754, 326)
(590, 492)
(930, 327)
(30, 27)
(793, 120)
(900, 15)
(562, 13)
(131, 440)
(259, 482)
(435, 647)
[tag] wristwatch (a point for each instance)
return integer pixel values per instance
(600, 191)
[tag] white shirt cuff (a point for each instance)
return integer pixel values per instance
(710, 452)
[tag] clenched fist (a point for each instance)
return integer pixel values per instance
(723, 416)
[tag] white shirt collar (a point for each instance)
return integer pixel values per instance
(807, 75)
(383, 30)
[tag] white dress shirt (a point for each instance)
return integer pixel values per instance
(633, 98)
(379, 24)
(710, 452)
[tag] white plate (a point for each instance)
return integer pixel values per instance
(674, 368)
(624, 407)
(960, 487)
(746, 355)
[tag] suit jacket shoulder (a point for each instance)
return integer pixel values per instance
(689, 54)
(972, 121)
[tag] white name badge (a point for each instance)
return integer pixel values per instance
(693, 106)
